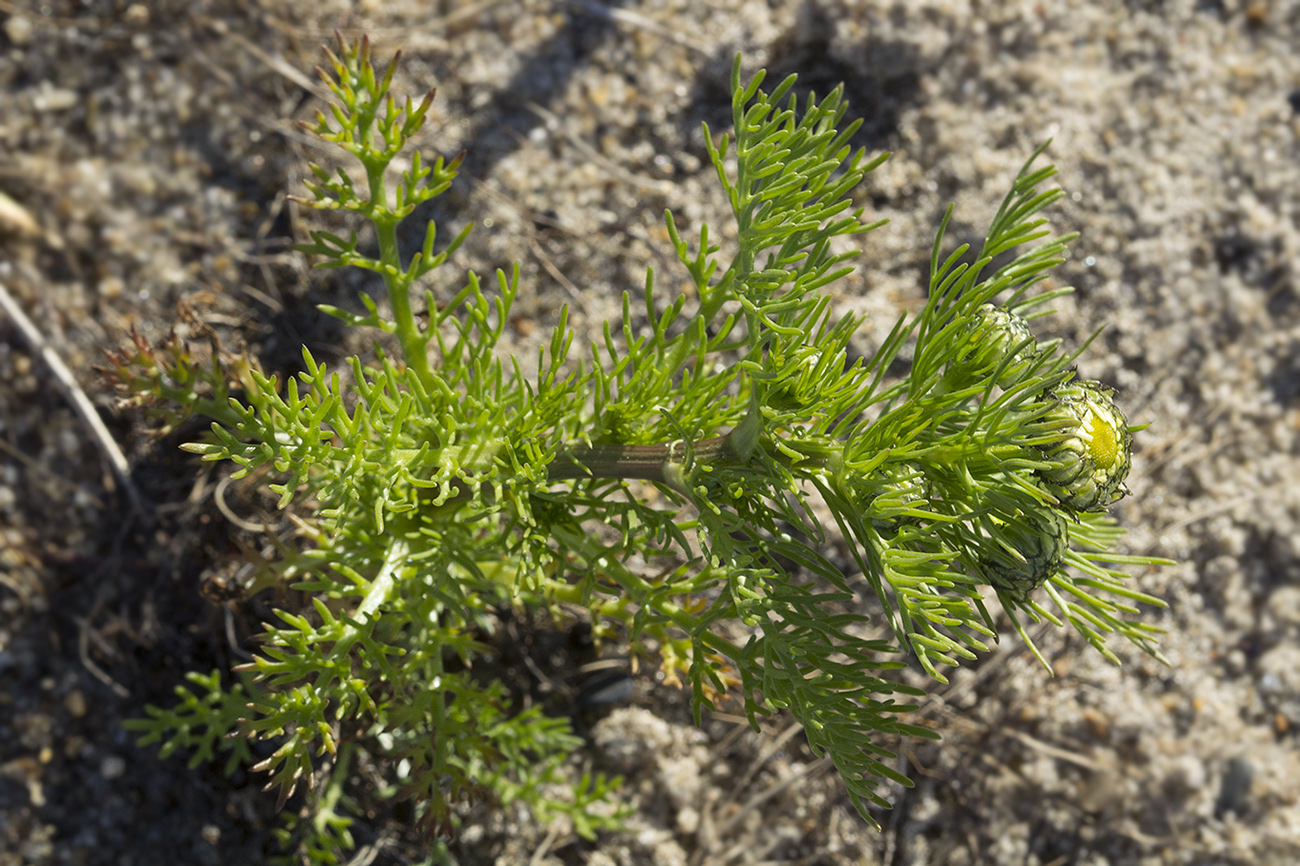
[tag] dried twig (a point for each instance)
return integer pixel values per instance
(631, 19)
(85, 634)
(817, 767)
(539, 856)
(80, 402)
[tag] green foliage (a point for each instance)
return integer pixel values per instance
(201, 724)
(441, 485)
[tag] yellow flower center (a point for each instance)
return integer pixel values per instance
(1103, 444)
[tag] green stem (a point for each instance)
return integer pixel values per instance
(334, 790)
(382, 586)
(661, 463)
(396, 280)
(665, 464)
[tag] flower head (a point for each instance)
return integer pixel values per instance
(1024, 550)
(1094, 451)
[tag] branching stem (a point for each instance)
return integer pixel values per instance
(661, 463)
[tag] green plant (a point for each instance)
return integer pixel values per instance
(671, 481)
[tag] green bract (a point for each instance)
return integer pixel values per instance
(1094, 454)
(676, 481)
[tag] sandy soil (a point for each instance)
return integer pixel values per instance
(148, 147)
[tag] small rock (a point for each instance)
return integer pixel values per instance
(50, 98)
(631, 737)
(112, 767)
(19, 29)
(1234, 790)
(16, 219)
(75, 703)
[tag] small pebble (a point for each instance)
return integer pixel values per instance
(49, 98)
(112, 767)
(75, 703)
(19, 29)
(1234, 791)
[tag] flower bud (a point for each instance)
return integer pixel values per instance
(1094, 451)
(994, 333)
(803, 377)
(899, 491)
(1024, 551)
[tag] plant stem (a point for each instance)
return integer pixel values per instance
(660, 463)
(414, 343)
(664, 464)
